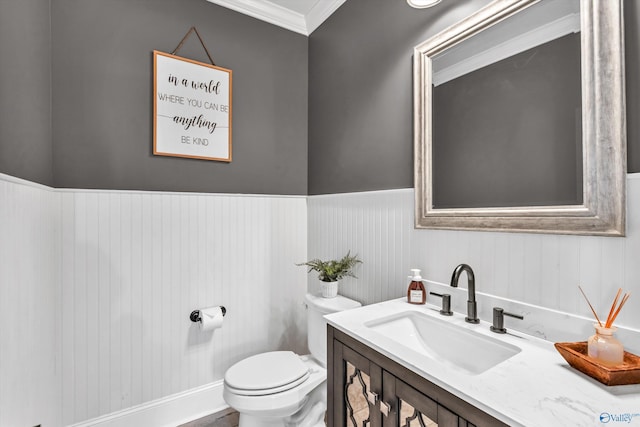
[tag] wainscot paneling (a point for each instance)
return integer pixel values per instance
(134, 266)
(29, 304)
(375, 225)
(96, 288)
(523, 271)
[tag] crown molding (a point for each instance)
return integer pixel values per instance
(322, 10)
(268, 12)
(281, 16)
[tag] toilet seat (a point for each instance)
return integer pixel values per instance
(266, 373)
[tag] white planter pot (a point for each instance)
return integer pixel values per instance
(329, 289)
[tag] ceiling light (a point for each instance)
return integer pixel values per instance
(421, 4)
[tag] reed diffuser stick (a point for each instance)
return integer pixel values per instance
(590, 306)
(624, 299)
(613, 307)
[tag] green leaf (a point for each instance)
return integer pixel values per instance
(332, 270)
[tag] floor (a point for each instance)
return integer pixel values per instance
(226, 418)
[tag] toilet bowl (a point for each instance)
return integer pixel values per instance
(281, 388)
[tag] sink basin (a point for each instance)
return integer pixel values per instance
(443, 341)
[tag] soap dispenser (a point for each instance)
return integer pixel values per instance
(416, 294)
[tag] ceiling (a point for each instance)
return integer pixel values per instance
(301, 16)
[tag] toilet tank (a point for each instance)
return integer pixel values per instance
(317, 307)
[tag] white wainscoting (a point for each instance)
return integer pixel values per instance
(376, 225)
(96, 288)
(530, 269)
(169, 411)
(134, 266)
(29, 304)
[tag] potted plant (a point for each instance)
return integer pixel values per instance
(331, 271)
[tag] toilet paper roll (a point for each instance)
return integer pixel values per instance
(211, 318)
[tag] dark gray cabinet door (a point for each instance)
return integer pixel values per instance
(409, 407)
(357, 385)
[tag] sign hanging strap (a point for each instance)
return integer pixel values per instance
(191, 30)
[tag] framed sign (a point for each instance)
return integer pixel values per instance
(191, 108)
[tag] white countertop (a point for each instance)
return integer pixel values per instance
(535, 387)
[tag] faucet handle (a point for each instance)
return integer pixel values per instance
(446, 303)
(498, 320)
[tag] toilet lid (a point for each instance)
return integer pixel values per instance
(266, 371)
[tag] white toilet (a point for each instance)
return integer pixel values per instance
(281, 388)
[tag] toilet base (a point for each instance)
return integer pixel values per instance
(251, 421)
(311, 414)
(314, 419)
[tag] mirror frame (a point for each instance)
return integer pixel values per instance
(604, 147)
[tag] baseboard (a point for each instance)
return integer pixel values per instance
(168, 411)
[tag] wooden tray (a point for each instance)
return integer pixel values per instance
(576, 354)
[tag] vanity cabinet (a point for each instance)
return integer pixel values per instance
(367, 389)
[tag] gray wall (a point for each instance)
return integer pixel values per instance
(25, 90)
(76, 95)
(102, 97)
(360, 91)
(360, 101)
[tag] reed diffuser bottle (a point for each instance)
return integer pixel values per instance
(604, 347)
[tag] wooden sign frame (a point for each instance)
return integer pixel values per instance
(191, 108)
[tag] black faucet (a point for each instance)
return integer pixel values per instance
(472, 310)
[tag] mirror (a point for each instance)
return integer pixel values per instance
(520, 81)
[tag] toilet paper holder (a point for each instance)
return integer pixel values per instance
(195, 314)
